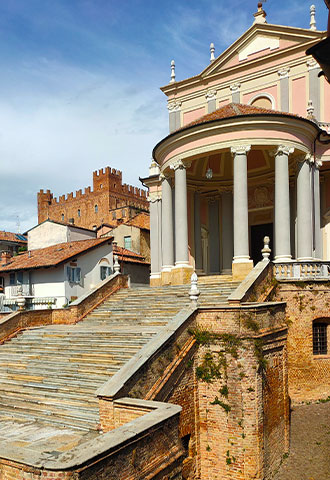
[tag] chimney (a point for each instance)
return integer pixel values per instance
(5, 257)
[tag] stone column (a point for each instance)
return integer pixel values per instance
(314, 86)
(182, 267)
(282, 204)
(235, 92)
(198, 232)
(318, 250)
(211, 100)
(304, 210)
(174, 110)
(167, 224)
(227, 231)
(155, 233)
(241, 213)
(214, 236)
(181, 214)
(284, 88)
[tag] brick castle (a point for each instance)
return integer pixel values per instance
(109, 201)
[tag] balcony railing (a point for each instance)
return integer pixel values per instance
(18, 290)
(313, 270)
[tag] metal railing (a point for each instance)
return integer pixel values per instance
(309, 270)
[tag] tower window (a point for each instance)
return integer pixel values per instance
(96, 208)
(79, 212)
(62, 217)
(320, 343)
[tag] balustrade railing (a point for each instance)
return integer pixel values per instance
(313, 270)
(325, 126)
(18, 290)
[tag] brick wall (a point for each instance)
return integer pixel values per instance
(93, 206)
(309, 378)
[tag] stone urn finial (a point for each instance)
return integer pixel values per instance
(194, 292)
(116, 265)
(266, 250)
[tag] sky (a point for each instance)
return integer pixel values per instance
(79, 84)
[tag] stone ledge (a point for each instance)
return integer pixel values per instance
(113, 387)
(107, 443)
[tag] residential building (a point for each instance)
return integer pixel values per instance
(12, 242)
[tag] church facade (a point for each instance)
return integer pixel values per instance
(247, 156)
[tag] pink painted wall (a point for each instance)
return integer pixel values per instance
(299, 96)
(326, 101)
(272, 90)
(193, 115)
(222, 103)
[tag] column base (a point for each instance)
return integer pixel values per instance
(282, 258)
(181, 274)
(155, 280)
(241, 269)
(166, 277)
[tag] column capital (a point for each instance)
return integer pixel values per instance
(210, 95)
(174, 105)
(240, 149)
(283, 150)
(179, 164)
(318, 162)
(154, 197)
(163, 177)
(305, 157)
(311, 64)
(283, 72)
(235, 87)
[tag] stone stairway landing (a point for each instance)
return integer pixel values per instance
(49, 375)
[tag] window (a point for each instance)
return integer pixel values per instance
(62, 217)
(96, 208)
(105, 272)
(123, 213)
(78, 212)
(73, 274)
(128, 242)
(12, 279)
(320, 338)
(20, 278)
(113, 215)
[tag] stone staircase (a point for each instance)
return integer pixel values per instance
(50, 374)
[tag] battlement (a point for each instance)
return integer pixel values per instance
(107, 192)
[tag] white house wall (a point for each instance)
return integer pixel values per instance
(75, 234)
(46, 234)
(49, 283)
(90, 264)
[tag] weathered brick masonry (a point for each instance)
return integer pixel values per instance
(309, 375)
(93, 207)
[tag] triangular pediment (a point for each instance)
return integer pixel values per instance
(261, 40)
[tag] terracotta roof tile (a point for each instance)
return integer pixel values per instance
(12, 237)
(141, 220)
(128, 256)
(235, 110)
(51, 256)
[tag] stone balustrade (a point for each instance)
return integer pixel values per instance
(309, 270)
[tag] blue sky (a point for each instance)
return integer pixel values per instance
(79, 84)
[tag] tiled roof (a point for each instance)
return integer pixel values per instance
(235, 110)
(51, 256)
(128, 256)
(12, 237)
(65, 224)
(141, 220)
